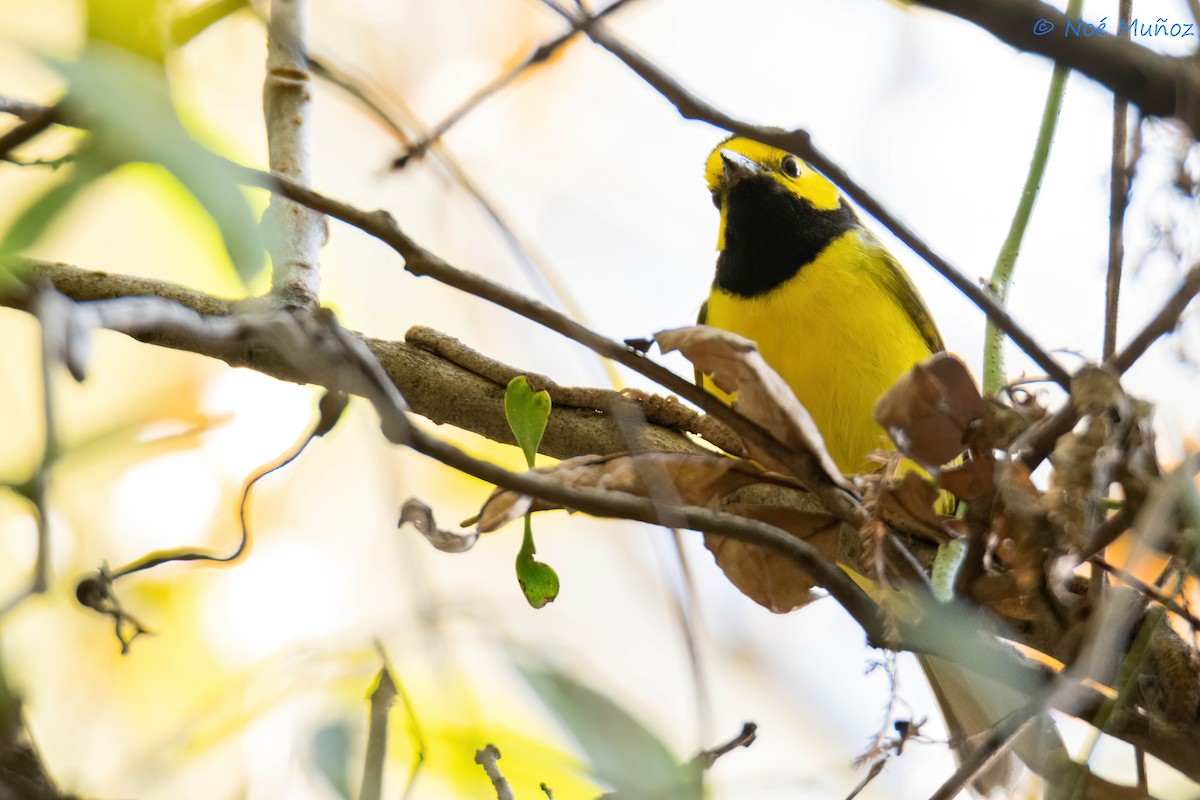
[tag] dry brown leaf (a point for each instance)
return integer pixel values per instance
(771, 579)
(736, 367)
(909, 505)
(930, 411)
(971, 480)
(697, 479)
(420, 516)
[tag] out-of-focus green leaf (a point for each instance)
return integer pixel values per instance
(331, 755)
(136, 26)
(622, 751)
(126, 104)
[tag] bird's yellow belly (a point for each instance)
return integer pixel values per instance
(838, 338)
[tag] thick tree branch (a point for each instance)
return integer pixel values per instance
(295, 234)
(435, 387)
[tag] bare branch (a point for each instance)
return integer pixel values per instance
(21, 109)
(295, 235)
(31, 127)
(1118, 198)
(49, 315)
(745, 738)
(998, 742)
(1164, 322)
(487, 758)
(382, 698)
(1036, 444)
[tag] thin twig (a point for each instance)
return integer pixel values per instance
(686, 606)
(745, 738)
(294, 234)
(28, 129)
(1038, 442)
(1105, 534)
(1164, 322)
(800, 143)
(50, 316)
(159, 557)
(382, 698)
(1118, 198)
(1001, 738)
(487, 758)
(413, 723)
(1152, 592)
(21, 109)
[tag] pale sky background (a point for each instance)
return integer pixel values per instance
(598, 174)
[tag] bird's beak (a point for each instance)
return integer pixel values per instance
(737, 168)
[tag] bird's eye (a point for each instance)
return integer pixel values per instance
(716, 198)
(790, 166)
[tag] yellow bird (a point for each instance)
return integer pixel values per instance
(831, 310)
(839, 319)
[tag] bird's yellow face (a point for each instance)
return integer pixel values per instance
(778, 215)
(738, 158)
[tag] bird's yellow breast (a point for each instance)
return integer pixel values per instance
(839, 338)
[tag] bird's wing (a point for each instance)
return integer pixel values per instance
(901, 287)
(701, 320)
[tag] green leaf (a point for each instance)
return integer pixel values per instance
(126, 104)
(538, 581)
(622, 751)
(331, 756)
(527, 412)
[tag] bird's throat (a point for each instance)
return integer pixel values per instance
(771, 234)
